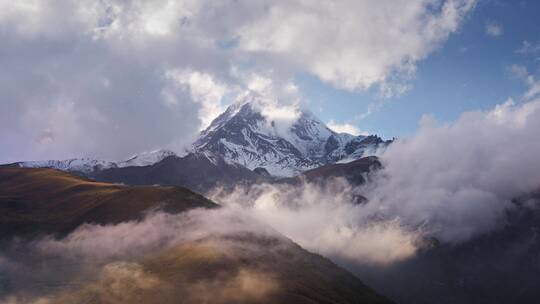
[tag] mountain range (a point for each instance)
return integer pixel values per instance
(243, 137)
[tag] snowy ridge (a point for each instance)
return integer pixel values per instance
(89, 165)
(146, 159)
(84, 165)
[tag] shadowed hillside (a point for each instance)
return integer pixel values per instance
(354, 172)
(195, 171)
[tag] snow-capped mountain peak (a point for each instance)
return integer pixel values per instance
(243, 135)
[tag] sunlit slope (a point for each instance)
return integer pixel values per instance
(246, 269)
(51, 201)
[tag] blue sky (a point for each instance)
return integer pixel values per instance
(468, 72)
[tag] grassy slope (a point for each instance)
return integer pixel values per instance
(51, 201)
(217, 270)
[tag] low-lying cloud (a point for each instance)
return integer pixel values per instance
(456, 180)
(325, 219)
(123, 263)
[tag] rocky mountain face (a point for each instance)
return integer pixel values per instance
(243, 135)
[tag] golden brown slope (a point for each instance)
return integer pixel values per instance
(51, 201)
(210, 272)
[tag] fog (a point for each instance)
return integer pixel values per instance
(325, 219)
(122, 263)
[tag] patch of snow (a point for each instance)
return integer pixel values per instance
(146, 158)
(89, 165)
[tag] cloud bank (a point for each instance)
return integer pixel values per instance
(457, 179)
(325, 219)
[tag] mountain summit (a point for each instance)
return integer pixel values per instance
(244, 135)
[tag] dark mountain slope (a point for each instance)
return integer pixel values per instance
(194, 171)
(354, 172)
(51, 201)
(502, 266)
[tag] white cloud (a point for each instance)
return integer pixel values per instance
(528, 48)
(203, 89)
(456, 180)
(533, 84)
(344, 128)
(277, 98)
(494, 29)
(358, 43)
(354, 44)
(534, 88)
(275, 112)
(324, 219)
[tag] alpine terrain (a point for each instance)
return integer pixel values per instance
(243, 136)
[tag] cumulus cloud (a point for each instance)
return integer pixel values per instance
(278, 99)
(456, 180)
(494, 29)
(203, 89)
(528, 48)
(344, 128)
(348, 36)
(112, 69)
(532, 82)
